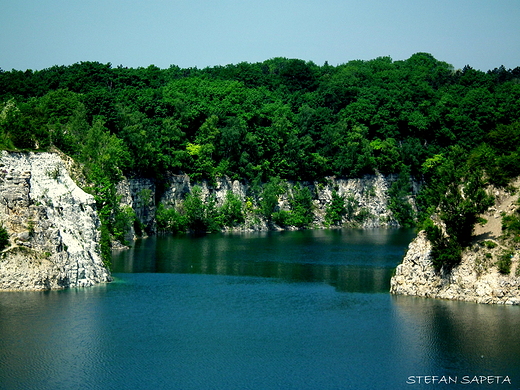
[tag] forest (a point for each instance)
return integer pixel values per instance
(283, 119)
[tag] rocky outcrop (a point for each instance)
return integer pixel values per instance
(178, 186)
(52, 226)
(369, 195)
(475, 279)
(139, 194)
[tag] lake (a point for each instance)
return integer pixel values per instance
(276, 310)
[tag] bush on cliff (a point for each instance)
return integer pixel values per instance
(398, 202)
(456, 194)
(301, 207)
(4, 238)
(504, 262)
(511, 224)
(169, 219)
(199, 215)
(335, 210)
(231, 212)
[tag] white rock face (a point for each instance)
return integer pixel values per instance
(468, 281)
(52, 224)
(139, 194)
(178, 186)
(370, 194)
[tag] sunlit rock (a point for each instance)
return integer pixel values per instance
(52, 224)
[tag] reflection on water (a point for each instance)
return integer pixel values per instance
(469, 338)
(167, 325)
(350, 260)
(46, 336)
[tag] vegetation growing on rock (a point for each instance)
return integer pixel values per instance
(281, 120)
(4, 238)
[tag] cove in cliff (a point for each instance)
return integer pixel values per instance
(368, 197)
(54, 228)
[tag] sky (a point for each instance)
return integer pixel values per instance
(37, 34)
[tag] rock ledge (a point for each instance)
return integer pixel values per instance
(468, 281)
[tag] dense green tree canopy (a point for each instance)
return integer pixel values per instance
(282, 117)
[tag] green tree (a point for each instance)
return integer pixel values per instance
(104, 154)
(301, 207)
(169, 219)
(399, 192)
(66, 118)
(6, 115)
(269, 197)
(461, 198)
(203, 149)
(461, 205)
(387, 157)
(124, 219)
(196, 210)
(25, 126)
(201, 214)
(335, 210)
(231, 211)
(351, 151)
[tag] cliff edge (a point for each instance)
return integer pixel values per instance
(488, 273)
(52, 226)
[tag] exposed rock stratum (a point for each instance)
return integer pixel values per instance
(52, 224)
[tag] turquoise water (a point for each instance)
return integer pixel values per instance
(290, 310)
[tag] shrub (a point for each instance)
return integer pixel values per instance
(460, 197)
(169, 219)
(301, 207)
(202, 216)
(351, 206)
(105, 244)
(195, 210)
(490, 244)
(124, 219)
(4, 238)
(145, 197)
(269, 198)
(504, 262)
(282, 217)
(199, 215)
(335, 210)
(446, 252)
(362, 215)
(231, 213)
(511, 225)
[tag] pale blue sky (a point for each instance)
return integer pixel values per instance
(37, 34)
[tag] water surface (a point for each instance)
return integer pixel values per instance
(290, 310)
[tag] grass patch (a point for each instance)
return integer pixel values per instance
(490, 244)
(504, 262)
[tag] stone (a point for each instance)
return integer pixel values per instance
(139, 194)
(369, 192)
(416, 276)
(52, 223)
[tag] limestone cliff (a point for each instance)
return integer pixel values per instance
(369, 193)
(139, 194)
(477, 278)
(52, 226)
(466, 282)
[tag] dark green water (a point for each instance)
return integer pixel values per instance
(290, 310)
